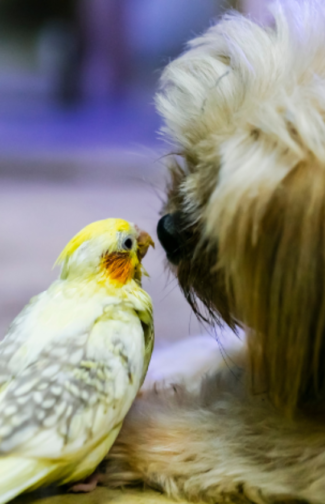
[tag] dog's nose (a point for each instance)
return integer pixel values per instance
(169, 237)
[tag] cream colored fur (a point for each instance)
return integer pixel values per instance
(217, 443)
(246, 106)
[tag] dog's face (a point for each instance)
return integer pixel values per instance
(192, 256)
(244, 222)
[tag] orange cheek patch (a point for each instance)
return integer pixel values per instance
(118, 266)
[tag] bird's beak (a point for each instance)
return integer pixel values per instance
(144, 241)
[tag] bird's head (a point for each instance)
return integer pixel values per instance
(109, 250)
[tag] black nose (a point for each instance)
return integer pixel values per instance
(169, 237)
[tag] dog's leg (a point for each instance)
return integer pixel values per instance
(161, 442)
(216, 443)
(172, 442)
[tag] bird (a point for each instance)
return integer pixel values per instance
(73, 360)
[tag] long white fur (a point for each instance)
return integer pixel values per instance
(218, 442)
(239, 77)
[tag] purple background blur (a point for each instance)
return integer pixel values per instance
(78, 133)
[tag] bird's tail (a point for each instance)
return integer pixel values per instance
(19, 474)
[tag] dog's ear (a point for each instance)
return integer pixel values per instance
(272, 250)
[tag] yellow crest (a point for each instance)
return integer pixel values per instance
(106, 226)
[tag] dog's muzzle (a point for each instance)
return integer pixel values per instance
(169, 237)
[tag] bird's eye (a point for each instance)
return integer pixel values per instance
(128, 243)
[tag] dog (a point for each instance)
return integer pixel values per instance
(243, 228)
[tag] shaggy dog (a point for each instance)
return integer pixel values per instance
(244, 231)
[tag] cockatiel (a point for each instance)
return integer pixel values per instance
(74, 359)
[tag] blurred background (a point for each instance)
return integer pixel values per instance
(78, 132)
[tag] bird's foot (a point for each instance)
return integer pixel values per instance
(87, 485)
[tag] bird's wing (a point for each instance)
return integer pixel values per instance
(66, 403)
(13, 341)
(149, 337)
(141, 302)
(7, 350)
(54, 314)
